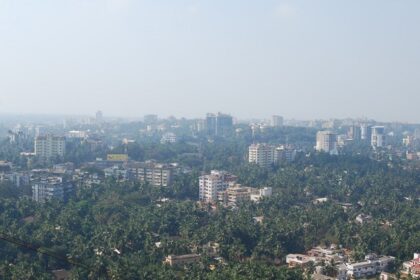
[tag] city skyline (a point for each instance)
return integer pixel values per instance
(299, 59)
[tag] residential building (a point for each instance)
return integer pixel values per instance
(366, 132)
(51, 188)
(412, 267)
(173, 260)
(299, 260)
(150, 119)
(378, 137)
(277, 121)
(262, 154)
(326, 141)
(156, 174)
(49, 147)
(371, 266)
(258, 194)
(355, 133)
(210, 185)
(168, 138)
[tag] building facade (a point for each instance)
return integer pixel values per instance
(211, 184)
(48, 147)
(326, 141)
(378, 137)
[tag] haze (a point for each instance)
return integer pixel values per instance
(300, 59)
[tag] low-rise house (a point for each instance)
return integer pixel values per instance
(363, 219)
(173, 260)
(371, 266)
(299, 260)
(412, 267)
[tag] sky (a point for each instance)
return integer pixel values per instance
(301, 59)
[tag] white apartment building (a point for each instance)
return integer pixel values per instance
(326, 141)
(262, 154)
(49, 146)
(378, 137)
(371, 266)
(211, 184)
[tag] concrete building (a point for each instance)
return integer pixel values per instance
(168, 138)
(366, 132)
(355, 133)
(51, 188)
(49, 147)
(154, 173)
(210, 185)
(262, 154)
(173, 260)
(326, 141)
(378, 137)
(371, 266)
(277, 121)
(412, 267)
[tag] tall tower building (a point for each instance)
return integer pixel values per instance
(378, 137)
(326, 141)
(366, 132)
(355, 133)
(218, 125)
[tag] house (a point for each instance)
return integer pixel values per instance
(412, 267)
(173, 260)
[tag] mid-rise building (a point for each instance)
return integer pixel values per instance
(211, 184)
(277, 121)
(326, 141)
(378, 137)
(354, 133)
(51, 188)
(412, 267)
(156, 174)
(168, 138)
(262, 154)
(49, 147)
(366, 132)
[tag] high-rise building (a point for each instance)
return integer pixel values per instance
(366, 132)
(277, 121)
(378, 136)
(355, 133)
(49, 147)
(326, 141)
(219, 125)
(211, 184)
(262, 154)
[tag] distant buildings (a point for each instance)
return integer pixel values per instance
(99, 117)
(366, 132)
(277, 121)
(49, 147)
(168, 138)
(355, 133)
(211, 184)
(378, 137)
(150, 119)
(218, 125)
(326, 141)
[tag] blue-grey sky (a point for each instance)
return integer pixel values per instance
(300, 59)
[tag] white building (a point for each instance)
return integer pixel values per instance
(168, 137)
(262, 154)
(210, 185)
(371, 266)
(378, 137)
(49, 146)
(51, 188)
(326, 141)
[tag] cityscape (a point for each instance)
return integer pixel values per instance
(209, 140)
(215, 187)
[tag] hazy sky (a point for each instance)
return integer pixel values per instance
(300, 59)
